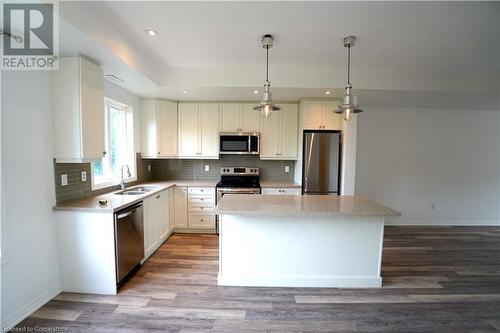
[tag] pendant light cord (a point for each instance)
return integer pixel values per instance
(349, 65)
(267, 63)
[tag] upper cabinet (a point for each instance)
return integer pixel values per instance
(198, 130)
(319, 115)
(158, 128)
(279, 134)
(239, 118)
(79, 128)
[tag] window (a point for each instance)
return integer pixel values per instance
(119, 146)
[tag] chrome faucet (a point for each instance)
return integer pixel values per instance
(122, 181)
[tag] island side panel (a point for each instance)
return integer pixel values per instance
(86, 242)
(307, 251)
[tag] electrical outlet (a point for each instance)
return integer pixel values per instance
(287, 168)
(84, 175)
(207, 167)
(64, 180)
(149, 167)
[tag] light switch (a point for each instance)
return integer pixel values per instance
(207, 167)
(84, 175)
(64, 180)
(287, 168)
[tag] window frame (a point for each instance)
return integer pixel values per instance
(108, 103)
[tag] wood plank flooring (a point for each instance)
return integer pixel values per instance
(436, 279)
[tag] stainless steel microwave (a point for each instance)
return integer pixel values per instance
(239, 143)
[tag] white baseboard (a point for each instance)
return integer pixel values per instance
(194, 231)
(26, 310)
(442, 222)
(309, 281)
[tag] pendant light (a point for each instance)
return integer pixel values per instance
(349, 105)
(266, 105)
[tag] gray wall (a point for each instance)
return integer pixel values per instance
(435, 166)
(29, 272)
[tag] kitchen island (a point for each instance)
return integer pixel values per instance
(300, 241)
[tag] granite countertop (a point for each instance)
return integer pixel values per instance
(300, 205)
(278, 183)
(117, 202)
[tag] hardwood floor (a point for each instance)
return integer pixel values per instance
(436, 279)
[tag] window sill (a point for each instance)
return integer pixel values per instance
(110, 183)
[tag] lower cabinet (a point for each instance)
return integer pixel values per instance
(194, 209)
(158, 219)
(181, 218)
(201, 203)
(282, 191)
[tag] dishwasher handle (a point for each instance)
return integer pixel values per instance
(130, 212)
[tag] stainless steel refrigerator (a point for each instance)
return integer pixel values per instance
(321, 162)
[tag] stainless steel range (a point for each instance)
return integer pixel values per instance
(237, 180)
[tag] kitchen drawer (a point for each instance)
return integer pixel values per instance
(202, 190)
(201, 208)
(201, 199)
(282, 191)
(202, 221)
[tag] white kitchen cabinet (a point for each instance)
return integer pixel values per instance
(250, 118)
(157, 212)
(79, 127)
(199, 130)
(319, 115)
(201, 202)
(209, 130)
(239, 118)
(282, 191)
(181, 210)
(158, 128)
(279, 134)
(230, 118)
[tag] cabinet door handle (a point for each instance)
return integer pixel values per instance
(201, 220)
(158, 197)
(104, 153)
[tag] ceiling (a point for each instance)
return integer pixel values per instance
(212, 49)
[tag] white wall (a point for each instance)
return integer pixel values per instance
(29, 273)
(124, 96)
(409, 159)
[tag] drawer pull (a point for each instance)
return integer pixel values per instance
(201, 220)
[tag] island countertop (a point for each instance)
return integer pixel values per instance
(300, 205)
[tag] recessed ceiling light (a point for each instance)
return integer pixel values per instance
(151, 32)
(256, 92)
(327, 92)
(184, 91)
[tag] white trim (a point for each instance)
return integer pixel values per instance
(111, 182)
(395, 221)
(303, 281)
(29, 308)
(130, 138)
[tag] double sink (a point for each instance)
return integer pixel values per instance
(138, 190)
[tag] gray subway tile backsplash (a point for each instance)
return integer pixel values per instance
(167, 169)
(171, 169)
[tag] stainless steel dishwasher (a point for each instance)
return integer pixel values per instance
(129, 240)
